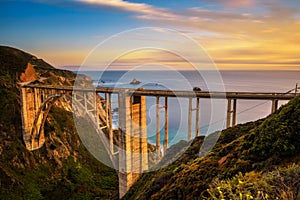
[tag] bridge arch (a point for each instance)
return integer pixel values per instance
(36, 103)
(36, 133)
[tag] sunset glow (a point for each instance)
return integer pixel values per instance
(248, 34)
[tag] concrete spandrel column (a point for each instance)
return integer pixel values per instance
(143, 135)
(190, 119)
(228, 114)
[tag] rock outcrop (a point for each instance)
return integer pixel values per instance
(135, 82)
(29, 74)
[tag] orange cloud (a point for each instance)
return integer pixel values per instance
(139, 8)
(239, 3)
(233, 3)
(245, 40)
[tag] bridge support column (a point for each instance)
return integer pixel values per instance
(231, 113)
(166, 127)
(274, 105)
(166, 136)
(198, 117)
(108, 110)
(190, 120)
(157, 128)
(133, 156)
(234, 113)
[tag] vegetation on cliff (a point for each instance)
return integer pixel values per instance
(62, 168)
(256, 160)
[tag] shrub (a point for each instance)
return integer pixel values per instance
(282, 183)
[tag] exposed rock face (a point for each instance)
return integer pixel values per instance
(29, 75)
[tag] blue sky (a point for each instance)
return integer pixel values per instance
(249, 34)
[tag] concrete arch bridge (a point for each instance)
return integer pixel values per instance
(37, 100)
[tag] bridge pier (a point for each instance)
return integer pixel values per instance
(190, 118)
(166, 136)
(166, 127)
(108, 111)
(274, 105)
(198, 117)
(157, 128)
(231, 113)
(133, 156)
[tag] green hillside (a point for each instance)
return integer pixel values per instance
(256, 160)
(62, 168)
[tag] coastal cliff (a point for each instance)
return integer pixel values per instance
(62, 168)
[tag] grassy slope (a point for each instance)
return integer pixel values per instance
(62, 168)
(253, 147)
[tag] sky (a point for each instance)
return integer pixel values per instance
(235, 34)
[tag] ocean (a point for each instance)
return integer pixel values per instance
(210, 121)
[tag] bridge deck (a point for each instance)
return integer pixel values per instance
(177, 93)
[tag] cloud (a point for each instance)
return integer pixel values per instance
(234, 3)
(268, 37)
(253, 32)
(137, 8)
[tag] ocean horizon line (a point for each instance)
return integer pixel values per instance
(237, 70)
